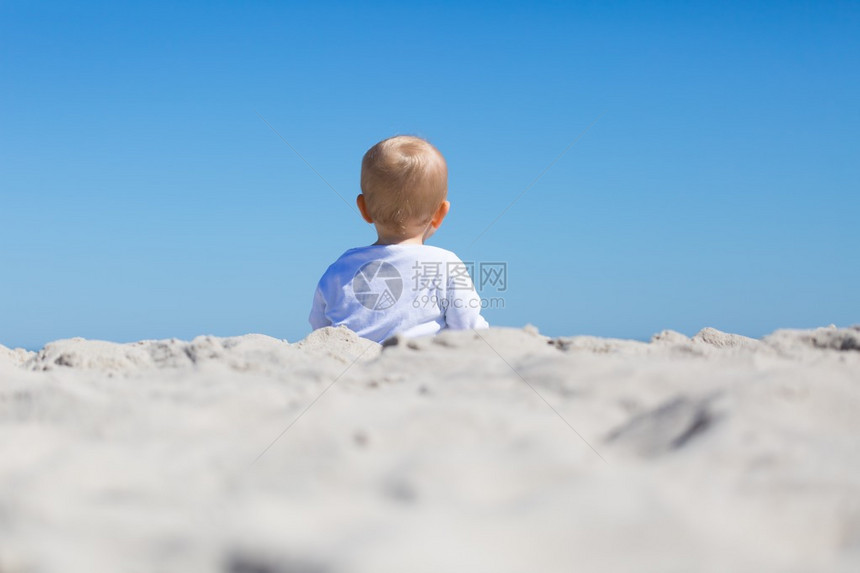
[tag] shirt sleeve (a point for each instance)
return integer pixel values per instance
(463, 305)
(318, 318)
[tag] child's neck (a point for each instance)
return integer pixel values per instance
(417, 240)
(413, 238)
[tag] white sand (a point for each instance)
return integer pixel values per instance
(459, 453)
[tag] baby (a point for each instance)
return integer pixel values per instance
(399, 285)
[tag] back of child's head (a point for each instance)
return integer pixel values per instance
(404, 179)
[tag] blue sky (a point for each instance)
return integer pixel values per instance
(141, 195)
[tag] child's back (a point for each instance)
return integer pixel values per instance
(410, 289)
(399, 285)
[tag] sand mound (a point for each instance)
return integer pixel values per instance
(499, 450)
(16, 357)
(249, 352)
(830, 337)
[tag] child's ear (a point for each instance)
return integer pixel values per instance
(441, 212)
(362, 208)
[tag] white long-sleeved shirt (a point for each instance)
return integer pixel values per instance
(382, 290)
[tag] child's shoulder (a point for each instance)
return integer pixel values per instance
(360, 255)
(385, 251)
(439, 252)
(353, 258)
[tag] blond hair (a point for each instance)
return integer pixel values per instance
(404, 179)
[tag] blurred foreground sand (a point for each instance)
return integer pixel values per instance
(496, 451)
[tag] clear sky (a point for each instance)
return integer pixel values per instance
(142, 195)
